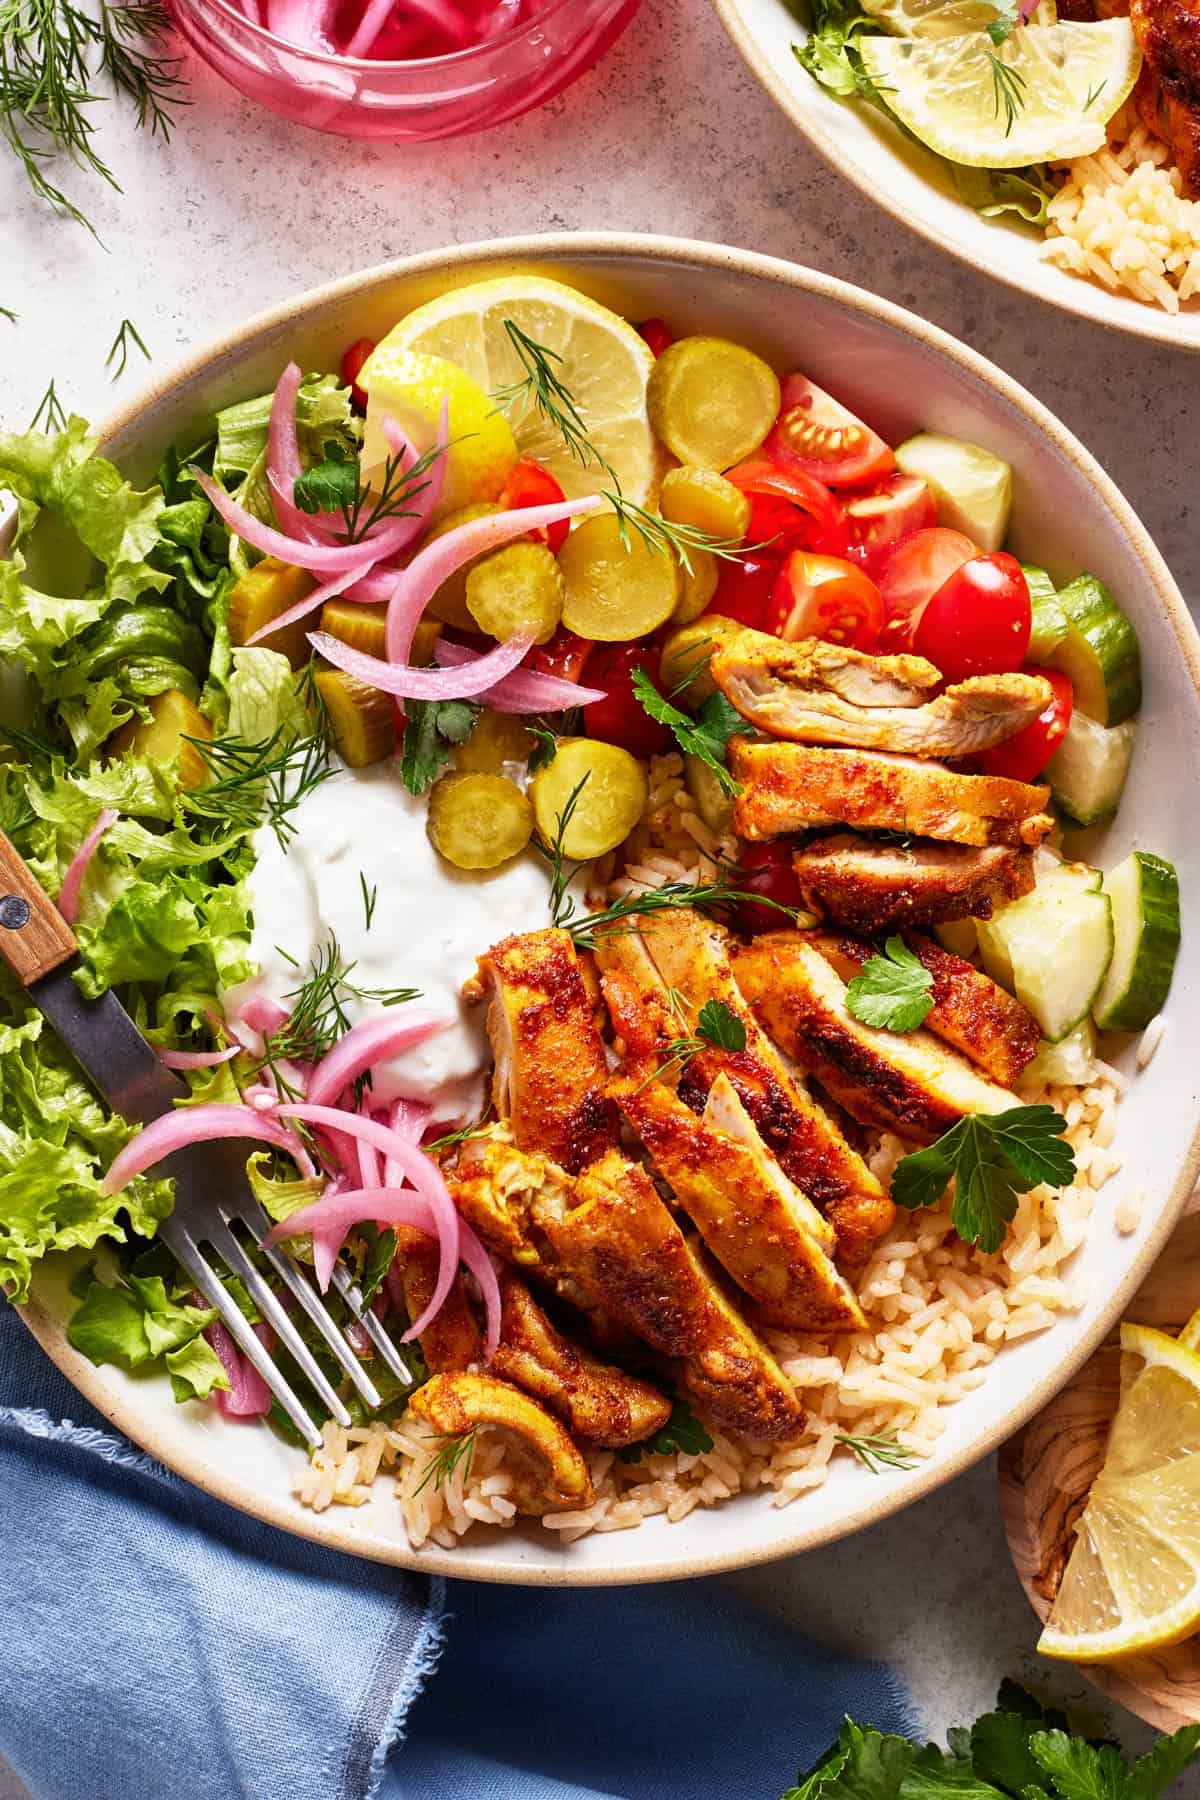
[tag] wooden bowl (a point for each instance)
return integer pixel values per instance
(1047, 1469)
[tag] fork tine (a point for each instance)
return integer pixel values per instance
(210, 1285)
(223, 1241)
(392, 1355)
(253, 1216)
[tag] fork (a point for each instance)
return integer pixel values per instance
(212, 1193)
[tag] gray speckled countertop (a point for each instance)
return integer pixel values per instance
(669, 134)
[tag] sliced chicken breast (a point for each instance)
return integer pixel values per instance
(683, 952)
(790, 787)
(818, 693)
(871, 887)
(550, 1073)
(907, 1082)
(618, 1240)
(970, 1010)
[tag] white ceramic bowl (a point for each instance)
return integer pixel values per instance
(902, 374)
(914, 186)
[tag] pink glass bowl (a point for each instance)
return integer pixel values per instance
(437, 97)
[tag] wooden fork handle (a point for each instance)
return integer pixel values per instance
(34, 937)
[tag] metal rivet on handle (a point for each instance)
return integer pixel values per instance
(14, 912)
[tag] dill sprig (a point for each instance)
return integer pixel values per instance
(52, 53)
(1008, 91)
(562, 871)
(878, 1450)
(6, 312)
(119, 353)
(620, 916)
(335, 485)
(370, 896)
(318, 1016)
(1094, 94)
(456, 1447)
(463, 1135)
(263, 782)
(50, 416)
(542, 389)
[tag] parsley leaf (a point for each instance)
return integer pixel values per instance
(894, 991)
(430, 727)
(330, 485)
(1008, 15)
(682, 1431)
(544, 750)
(706, 736)
(993, 1157)
(717, 1024)
(1079, 1770)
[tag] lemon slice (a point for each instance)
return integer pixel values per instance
(945, 18)
(410, 386)
(604, 366)
(1042, 95)
(1133, 1580)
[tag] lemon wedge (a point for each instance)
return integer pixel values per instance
(410, 386)
(1133, 1580)
(945, 18)
(1042, 95)
(598, 358)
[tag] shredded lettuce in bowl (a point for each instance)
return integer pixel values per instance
(110, 597)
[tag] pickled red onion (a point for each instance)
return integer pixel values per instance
(436, 562)
(77, 868)
(525, 690)
(197, 1125)
(454, 1235)
(409, 683)
(248, 1396)
(362, 1047)
(409, 1118)
(321, 559)
(198, 1059)
(283, 455)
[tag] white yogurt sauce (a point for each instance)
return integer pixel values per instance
(430, 922)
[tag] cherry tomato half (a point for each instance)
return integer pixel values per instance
(564, 655)
(1024, 756)
(817, 435)
(825, 597)
(352, 362)
(912, 575)
(978, 622)
(529, 484)
(744, 588)
(815, 513)
(656, 335)
(620, 718)
(765, 869)
(879, 516)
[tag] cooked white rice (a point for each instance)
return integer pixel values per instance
(939, 1311)
(1121, 218)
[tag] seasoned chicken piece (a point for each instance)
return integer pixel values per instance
(493, 1185)
(763, 1231)
(620, 1242)
(871, 887)
(452, 1339)
(680, 955)
(907, 1082)
(597, 1403)
(549, 1473)
(788, 787)
(970, 1010)
(819, 693)
(550, 1073)
(1168, 92)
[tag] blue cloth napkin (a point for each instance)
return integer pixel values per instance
(160, 1645)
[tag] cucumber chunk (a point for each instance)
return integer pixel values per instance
(973, 488)
(1049, 626)
(1087, 772)
(1100, 652)
(1069, 1062)
(1144, 894)
(1052, 948)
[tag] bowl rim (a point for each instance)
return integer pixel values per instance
(325, 59)
(579, 248)
(1144, 321)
